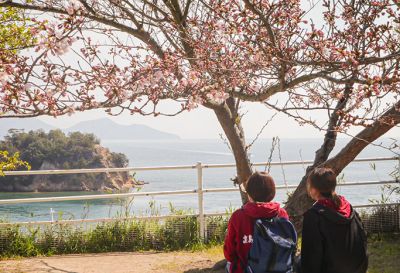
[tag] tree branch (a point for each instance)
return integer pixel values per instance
(386, 122)
(138, 33)
(277, 88)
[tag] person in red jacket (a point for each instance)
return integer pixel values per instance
(260, 188)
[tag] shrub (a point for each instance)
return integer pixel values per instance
(118, 235)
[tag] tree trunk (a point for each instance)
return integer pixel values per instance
(229, 119)
(299, 202)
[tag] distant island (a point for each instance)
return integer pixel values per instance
(104, 128)
(56, 150)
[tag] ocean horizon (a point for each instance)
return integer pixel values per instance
(208, 151)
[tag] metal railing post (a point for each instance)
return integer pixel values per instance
(202, 223)
(52, 214)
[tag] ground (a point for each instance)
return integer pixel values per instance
(170, 262)
(384, 258)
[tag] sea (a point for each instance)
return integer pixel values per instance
(210, 151)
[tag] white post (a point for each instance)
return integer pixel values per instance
(52, 214)
(200, 200)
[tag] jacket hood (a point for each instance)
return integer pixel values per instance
(344, 208)
(261, 210)
(342, 214)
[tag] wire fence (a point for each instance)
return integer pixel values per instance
(381, 218)
(101, 236)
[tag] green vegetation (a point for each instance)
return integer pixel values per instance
(10, 163)
(153, 234)
(77, 150)
(72, 151)
(384, 248)
(119, 235)
(384, 253)
(16, 30)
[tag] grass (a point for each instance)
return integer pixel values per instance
(383, 249)
(384, 253)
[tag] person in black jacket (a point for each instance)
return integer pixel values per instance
(333, 238)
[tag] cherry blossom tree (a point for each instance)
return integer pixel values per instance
(131, 56)
(14, 35)
(364, 96)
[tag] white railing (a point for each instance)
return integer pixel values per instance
(199, 191)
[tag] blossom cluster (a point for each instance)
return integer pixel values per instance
(133, 55)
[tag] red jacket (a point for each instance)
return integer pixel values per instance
(239, 238)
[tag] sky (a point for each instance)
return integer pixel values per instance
(201, 123)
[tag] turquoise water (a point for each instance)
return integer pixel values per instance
(188, 152)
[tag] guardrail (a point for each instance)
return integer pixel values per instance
(199, 191)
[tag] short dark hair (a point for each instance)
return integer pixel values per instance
(261, 187)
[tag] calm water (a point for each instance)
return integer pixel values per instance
(188, 152)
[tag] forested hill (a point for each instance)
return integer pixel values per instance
(56, 150)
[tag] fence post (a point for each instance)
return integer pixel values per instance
(398, 212)
(202, 223)
(52, 214)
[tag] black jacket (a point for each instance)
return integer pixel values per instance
(332, 243)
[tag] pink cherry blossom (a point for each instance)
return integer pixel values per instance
(100, 56)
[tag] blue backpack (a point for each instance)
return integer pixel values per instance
(274, 246)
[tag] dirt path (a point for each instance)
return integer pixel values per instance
(172, 262)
